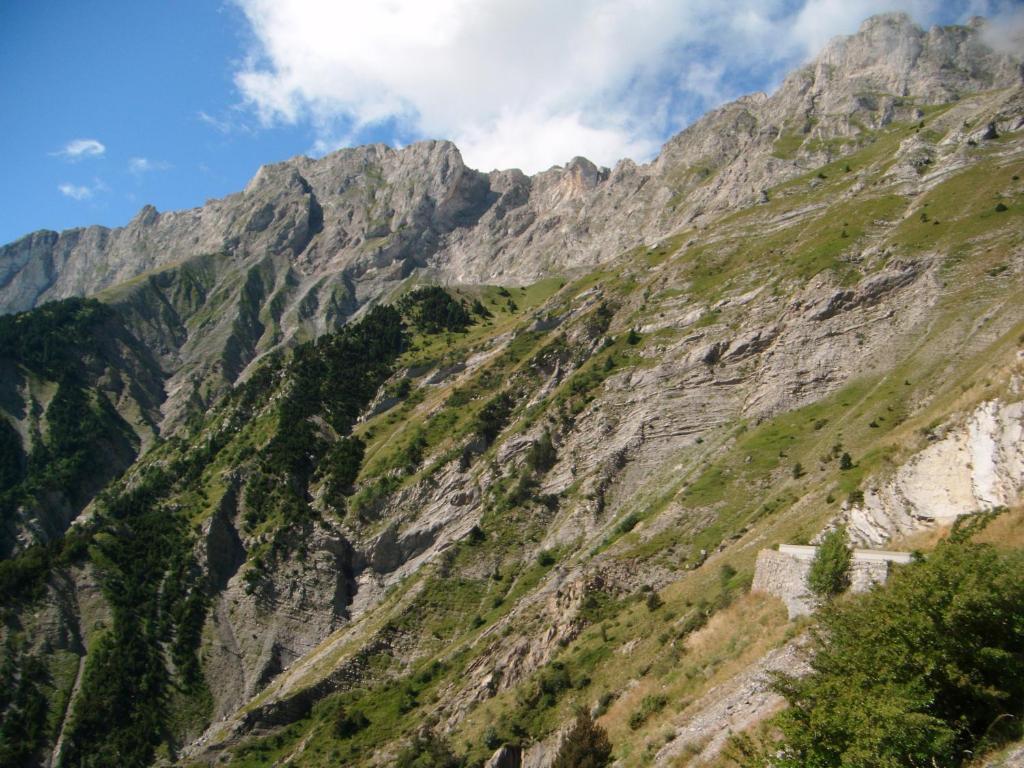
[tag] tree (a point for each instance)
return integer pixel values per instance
(927, 671)
(845, 462)
(585, 746)
(830, 570)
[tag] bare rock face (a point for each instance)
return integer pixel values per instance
(969, 467)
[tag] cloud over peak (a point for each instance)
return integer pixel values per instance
(530, 83)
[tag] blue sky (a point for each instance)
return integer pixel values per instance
(111, 105)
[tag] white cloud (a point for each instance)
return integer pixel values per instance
(77, 149)
(141, 165)
(1005, 33)
(81, 192)
(528, 83)
(75, 192)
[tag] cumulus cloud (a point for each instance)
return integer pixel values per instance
(78, 149)
(530, 83)
(141, 165)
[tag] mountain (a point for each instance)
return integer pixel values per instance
(383, 453)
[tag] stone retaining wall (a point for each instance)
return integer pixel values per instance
(783, 573)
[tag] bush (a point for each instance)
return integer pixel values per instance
(585, 746)
(654, 601)
(650, 705)
(494, 416)
(542, 455)
(428, 751)
(830, 570)
(348, 723)
(927, 671)
(546, 558)
(845, 462)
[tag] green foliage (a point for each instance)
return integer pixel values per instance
(480, 310)
(649, 705)
(341, 465)
(428, 750)
(542, 454)
(23, 707)
(585, 746)
(12, 457)
(830, 570)
(494, 416)
(925, 672)
(333, 378)
(546, 558)
(23, 577)
(432, 309)
(845, 462)
(144, 557)
(53, 338)
(654, 601)
(349, 722)
(81, 424)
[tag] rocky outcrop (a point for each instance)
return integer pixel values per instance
(971, 465)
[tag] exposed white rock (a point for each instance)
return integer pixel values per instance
(975, 465)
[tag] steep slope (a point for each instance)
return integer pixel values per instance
(468, 512)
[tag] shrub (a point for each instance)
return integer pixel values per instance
(648, 706)
(494, 416)
(348, 723)
(428, 751)
(546, 558)
(542, 455)
(845, 462)
(654, 601)
(830, 570)
(585, 746)
(926, 671)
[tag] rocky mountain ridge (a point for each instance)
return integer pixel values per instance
(378, 210)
